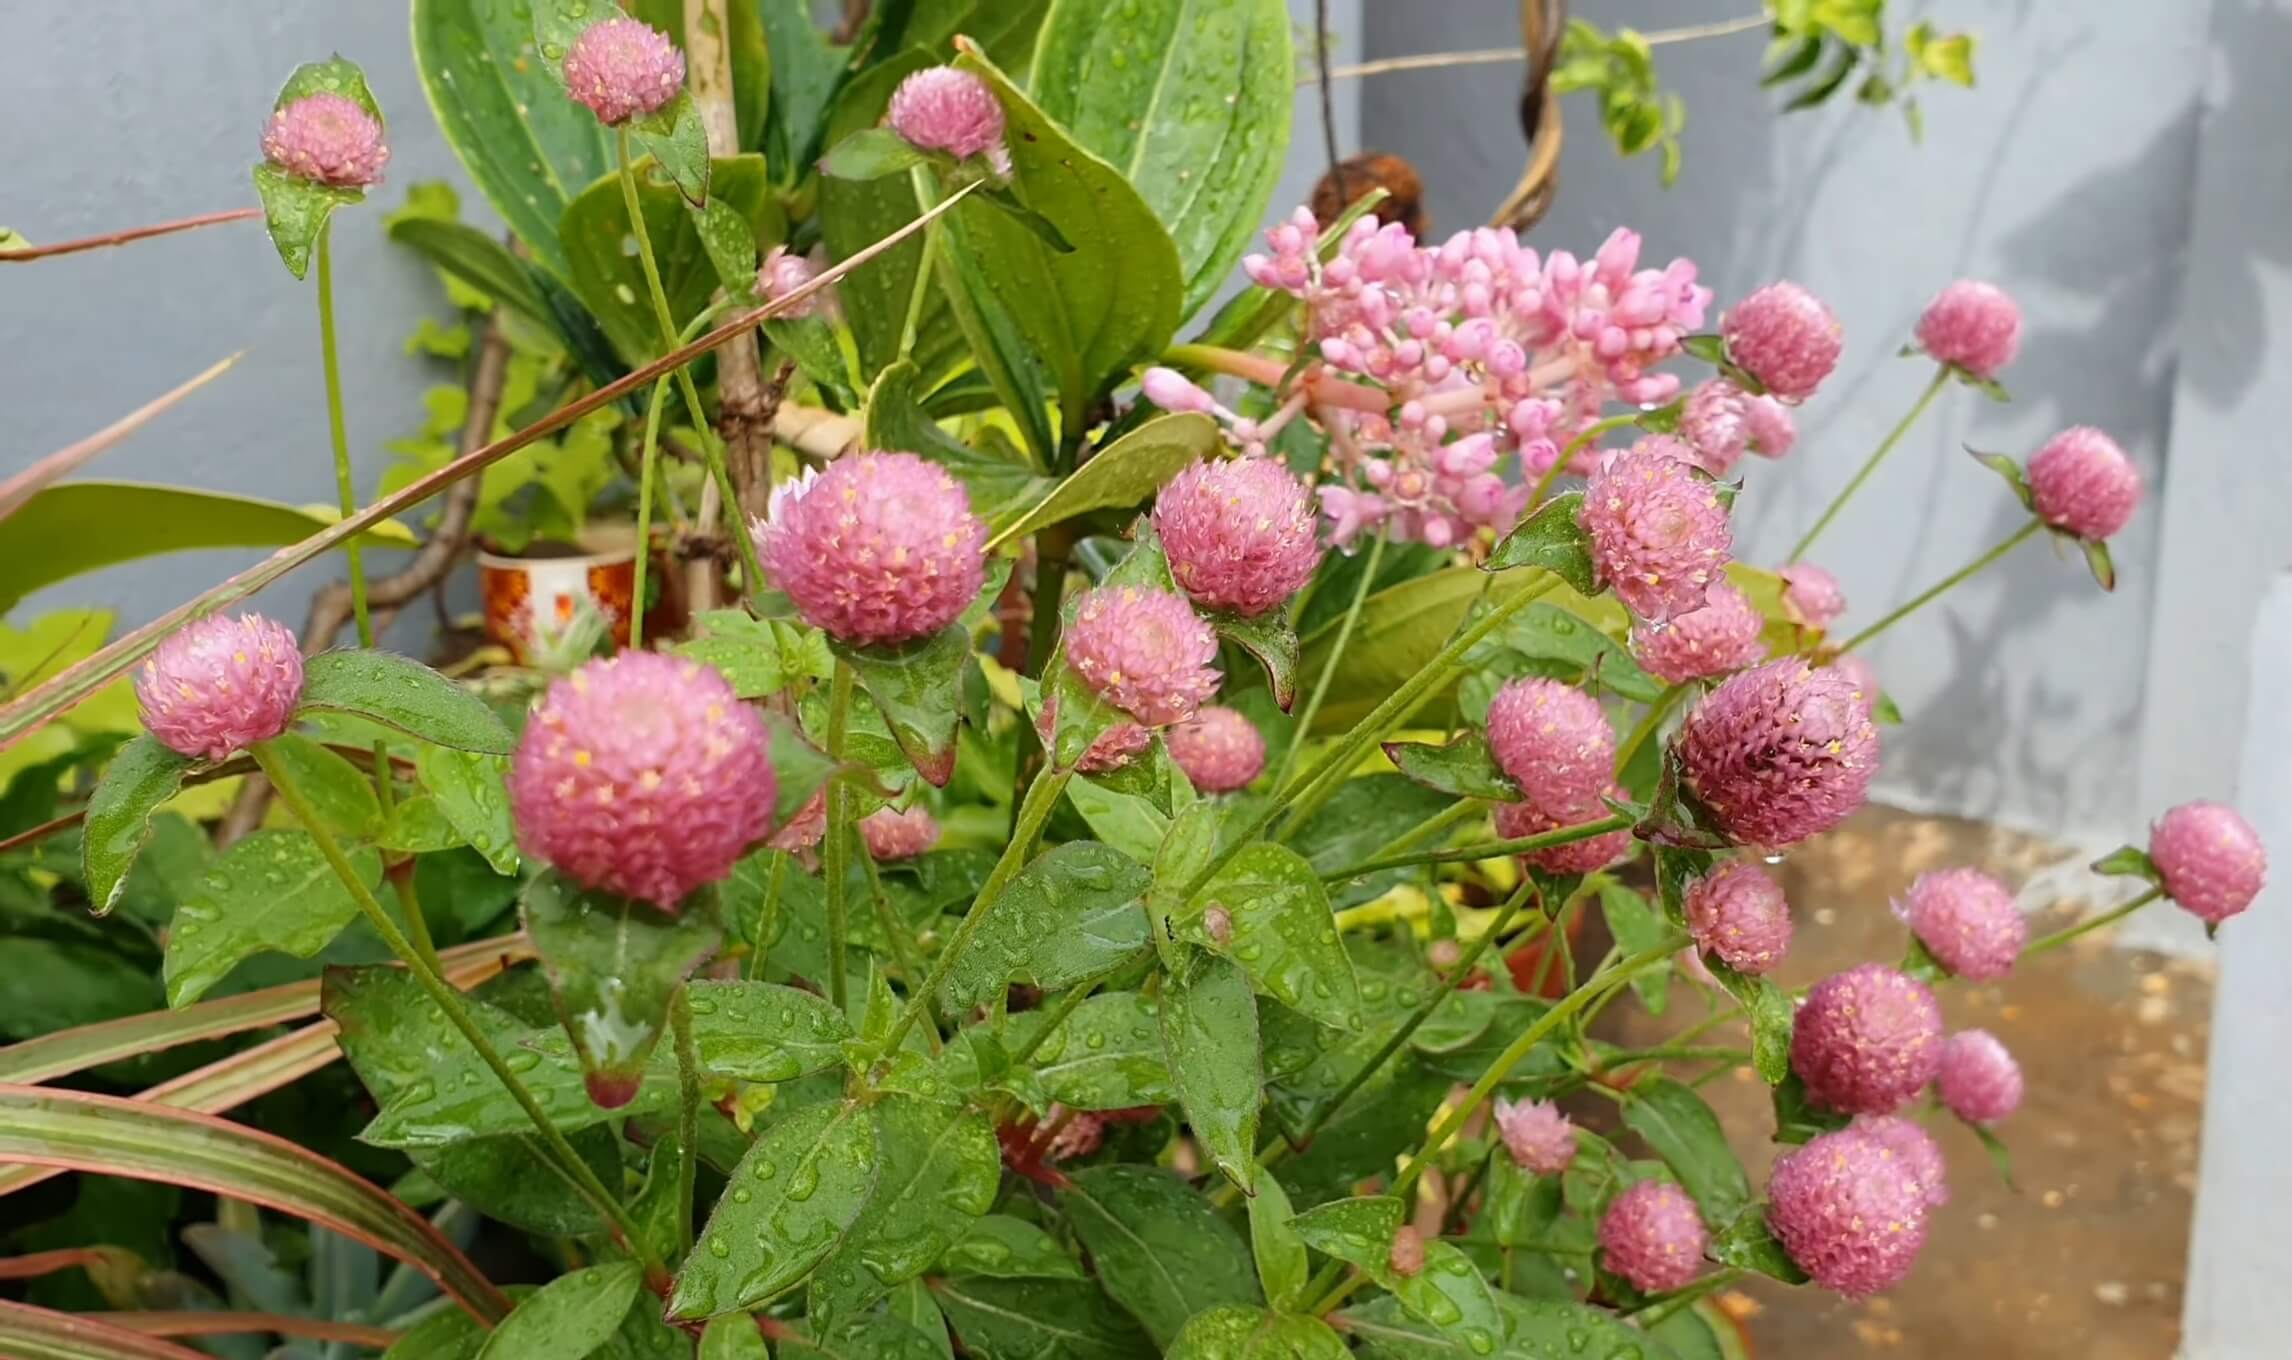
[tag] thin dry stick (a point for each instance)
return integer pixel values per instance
(67, 460)
(1504, 56)
(1328, 100)
(121, 238)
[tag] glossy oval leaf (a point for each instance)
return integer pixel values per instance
(1279, 1252)
(761, 1031)
(918, 689)
(1037, 1319)
(1463, 766)
(609, 278)
(402, 693)
(272, 891)
(1685, 1132)
(569, 1317)
(1281, 931)
(785, 1207)
(1209, 1033)
(1240, 1332)
(1107, 1055)
(613, 964)
(1125, 473)
(471, 791)
(1069, 914)
(939, 1169)
(1008, 1248)
(142, 775)
(1161, 1251)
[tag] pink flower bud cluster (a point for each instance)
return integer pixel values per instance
(1536, 1135)
(1239, 533)
(1144, 651)
(1738, 912)
(951, 110)
(1554, 741)
(1968, 920)
(1867, 1040)
(879, 548)
(2084, 484)
(623, 69)
(899, 833)
(1979, 1080)
(1659, 536)
(1780, 752)
(1811, 596)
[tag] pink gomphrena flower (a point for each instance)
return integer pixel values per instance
(327, 138)
(1716, 423)
(879, 548)
(1867, 1040)
(1811, 595)
(1554, 741)
(2210, 858)
(806, 829)
(1722, 636)
(1538, 1137)
(783, 272)
(623, 69)
(1979, 1081)
(1914, 1148)
(1968, 920)
(2084, 484)
(1857, 672)
(1514, 820)
(1653, 1237)
(1659, 535)
(221, 685)
(642, 774)
(1738, 912)
(945, 109)
(1771, 428)
(1218, 748)
(1780, 752)
(1785, 337)
(899, 834)
(1972, 325)
(1849, 1212)
(1239, 533)
(1144, 651)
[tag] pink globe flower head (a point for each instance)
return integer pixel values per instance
(878, 549)
(1738, 912)
(805, 830)
(1780, 752)
(220, 685)
(1914, 1149)
(1849, 1211)
(1514, 820)
(1968, 920)
(1979, 1081)
(1773, 430)
(783, 272)
(623, 69)
(1144, 651)
(1538, 1137)
(1722, 636)
(1239, 533)
(2084, 484)
(327, 138)
(642, 774)
(2211, 859)
(1716, 423)
(1109, 751)
(1811, 595)
(1858, 673)
(1653, 1237)
(1659, 536)
(1553, 740)
(1218, 748)
(1785, 337)
(1972, 325)
(1867, 1040)
(945, 109)
(899, 834)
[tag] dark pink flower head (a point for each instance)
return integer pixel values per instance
(327, 138)
(1979, 1081)
(1968, 920)
(642, 774)
(1780, 752)
(1239, 532)
(1553, 740)
(1737, 911)
(1785, 337)
(1218, 748)
(622, 69)
(1144, 651)
(899, 833)
(1849, 1211)
(2211, 859)
(1535, 1133)
(1772, 428)
(944, 109)
(220, 685)
(1914, 1148)
(2083, 483)
(1514, 820)
(1659, 535)
(1811, 595)
(1972, 324)
(1653, 1237)
(878, 548)
(1867, 1040)
(1720, 637)
(1716, 423)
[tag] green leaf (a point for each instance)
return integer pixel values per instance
(1521, 1206)
(2125, 861)
(1283, 932)
(609, 278)
(1798, 1119)
(465, 1100)
(760, 657)
(1240, 1332)
(1559, 644)
(448, 1334)
(871, 153)
(470, 789)
(478, 260)
(295, 212)
(761, 1031)
(568, 1317)
(1749, 1244)
(1464, 767)
(1637, 926)
(876, 1338)
(940, 1169)
(339, 791)
(1282, 1268)
(613, 964)
(270, 891)
(142, 775)
(1125, 473)
(1037, 1320)
(2097, 561)
(730, 243)
(2009, 470)
(806, 1179)
(1771, 1016)
(1007, 1248)
(731, 1337)
(806, 72)
(2001, 1157)
(919, 690)
(1535, 1329)
(1550, 538)
(1161, 1251)
(1209, 1031)
(1107, 1055)
(1001, 489)
(402, 693)
(678, 142)
(1070, 914)
(1686, 1134)
(1270, 638)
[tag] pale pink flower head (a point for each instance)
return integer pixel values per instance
(622, 69)
(1849, 1212)
(1144, 651)
(1979, 1081)
(1968, 920)
(1867, 1040)
(2211, 859)
(1514, 820)
(220, 685)
(1553, 740)
(1914, 1149)
(1218, 748)
(1773, 430)
(2083, 483)
(1974, 325)
(879, 548)
(783, 272)
(1785, 337)
(1858, 673)
(945, 109)
(1738, 912)
(1174, 391)
(1537, 1135)
(1659, 536)
(1780, 752)
(1239, 533)
(327, 138)
(1722, 636)
(1715, 422)
(642, 774)
(1811, 595)
(1653, 1237)
(899, 833)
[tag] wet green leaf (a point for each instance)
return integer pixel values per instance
(1209, 1031)
(402, 693)
(341, 793)
(940, 1169)
(1007, 1248)
(1747, 1242)
(1686, 1134)
(1038, 1319)
(1107, 1055)
(568, 1317)
(1241, 1332)
(677, 141)
(142, 775)
(1125, 473)
(1161, 1251)
(1282, 1268)
(606, 274)
(1771, 1015)
(871, 153)
(613, 963)
(733, 1336)
(918, 688)
(1550, 538)
(1281, 931)
(1001, 490)
(760, 1031)
(471, 791)
(784, 1208)
(478, 260)
(295, 210)
(1464, 767)
(1270, 638)
(1068, 915)
(272, 891)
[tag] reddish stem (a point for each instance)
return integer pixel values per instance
(121, 238)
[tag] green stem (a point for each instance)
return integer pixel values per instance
(1943, 586)
(1053, 547)
(1885, 446)
(895, 930)
(1575, 446)
(1302, 729)
(926, 198)
(338, 431)
(1640, 735)
(2045, 943)
(688, 1120)
(835, 852)
(451, 1003)
(764, 914)
(647, 461)
(1654, 1311)
(1518, 845)
(401, 873)
(1678, 1053)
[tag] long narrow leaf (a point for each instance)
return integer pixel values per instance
(28, 1333)
(67, 460)
(246, 1324)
